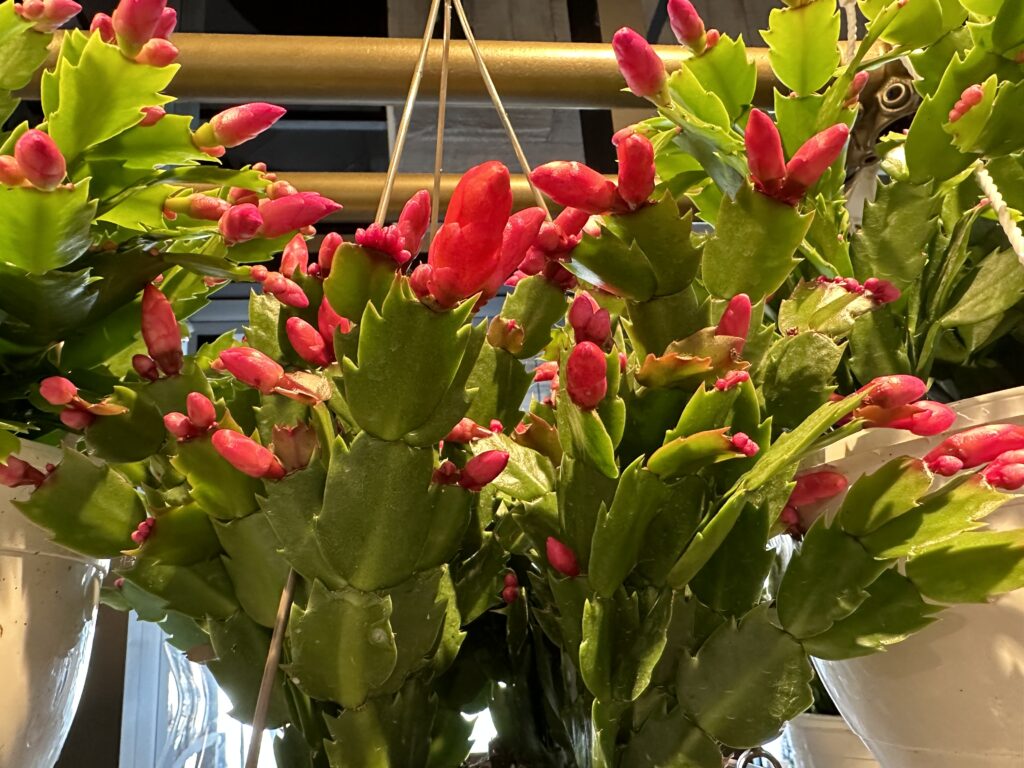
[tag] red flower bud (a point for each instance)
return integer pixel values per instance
(589, 321)
(712, 39)
(48, 14)
(286, 291)
(30, 10)
(295, 256)
(165, 27)
(40, 160)
(855, 89)
(446, 474)
(104, 25)
(414, 221)
(160, 330)
(327, 320)
(882, 291)
(280, 189)
(466, 431)
(731, 380)
(205, 207)
(586, 374)
(893, 391)
(812, 487)
(15, 473)
(1006, 471)
(971, 97)
(73, 418)
(742, 443)
(510, 579)
(136, 21)
(145, 366)
(545, 371)
(307, 342)
(10, 172)
(496, 426)
(388, 240)
(930, 418)
(240, 223)
(510, 594)
(152, 116)
(813, 159)
(238, 125)
(179, 425)
(143, 531)
(482, 469)
(201, 410)
(575, 185)
(56, 390)
(157, 53)
(240, 195)
(636, 170)
(643, 71)
(328, 247)
(561, 558)
(246, 455)
(287, 214)
(735, 319)
(765, 158)
(686, 24)
(252, 367)
(974, 447)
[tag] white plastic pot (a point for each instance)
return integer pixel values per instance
(48, 600)
(951, 696)
(825, 741)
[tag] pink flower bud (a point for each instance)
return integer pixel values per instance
(104, 25)
(16, 473)
(388, 240)
(446, 474)
(586, 374)
(813, 487)
(712, 39)
(765, 158)
(855, 89)
(643, 71)
(687, 24)
(294, 445)
(496, 426)
(735, 319)
(482, 469)
(145, 366)
(813, 159)
(327, 320)
(136, 21)
(466, 431)
(10, 172)
(238, 125)
(284, 290)
(30, 10)
(589, 321)
(165, 27)
(40, 160)
(510, 594)
(56, 390)
(240, 223)
(419, 280)
(240, 195)
(252, 367)
(307, 342)
(157, 53)
(742, 443)
(295, 256)
(246, 455)
(73, 418)
(731, 380)
(328, 247)
(575, 185)
(160, 330)
(205, 207)
(258, 273)
(179, 425)
(510, 579)
(636, 170)
(930, 418)
(1006, 471)
(790, 518)
(561, 558)
(287, 214)
(143, 531)
(545, 371)
(201, 410)
(414, 221)
(48, 14)
(882, 291)
(974, 447)
(280, 189)
(893, 391)
(152, 116)
(971, 97)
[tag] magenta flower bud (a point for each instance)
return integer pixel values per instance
(287, 214)
(466, 431)
(30, 10)
(104, 26)
(10, 172)
(419, 280)
(856, 88)
(814, 158)
(295, 256)
(574, 185)
(48, 14)
(813, 487)
(735, 319)
(157, 53)
(240, 195)
(790, 518)
(971, 97)
(72, 418)
(496, 426)
(414, 221)
(238, 125)
(510, 594)
(636, 170)
(589, 321)
(168, 20)
(201, 410)
(40, 160)
(240, 223)
(586, 374)
(687, 24)
(56, 390)
(246, 455)
(388, 240)
(145, 366)
(712, 39)
(307, 342)
(545, 371)
(643, 71)
(135, 22)
(280, 189)
(765, 158)
(143, 531)
(284, 290)
(327, 320)
(882, 291)
(252, 367)
(930, 418)
(179, 425)
(742, 443)
(16, 473)
(893, 391)
(160, 330)
(561, 558)
(482, 469)
(328, 247)
(1006, 471)
(510, 579)
(294, 445)
(731, 380)
(974, 447)
(152, 116)
(446, 474)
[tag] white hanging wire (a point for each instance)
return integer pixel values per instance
(442, 108)
(1003, 214)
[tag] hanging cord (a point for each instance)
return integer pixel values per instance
(498, 106)
(850, 7)
(442, 108)
(403, 126)
(995, 198)
(259, 718)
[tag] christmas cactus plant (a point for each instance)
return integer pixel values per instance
(96, 201)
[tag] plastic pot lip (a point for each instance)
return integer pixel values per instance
(817, 721)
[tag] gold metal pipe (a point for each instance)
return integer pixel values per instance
(376, 71)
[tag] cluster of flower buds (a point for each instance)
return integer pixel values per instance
(162, 336)
(247, 456)
(401, 240)
(1006, 471)
(478, 472)
(586, 375)
(879, 290)
(741, 442)
(894, 402)
(979, 445)
(562, 558)
(971, 97)
(201, 417)
(772, 175)
(510, 590)
(688, 27)
(480, 244)
(589, 321)
(144, 531)
(811, 488)
(236, 126)
(731, 380)
(316, 345)
(15, 472)
(735, 320)
(36, 162)
(551, 249)
(467, 430)
(78, 413)
(272, 218)
(575, 185)
(47, 15)
(140, 28)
